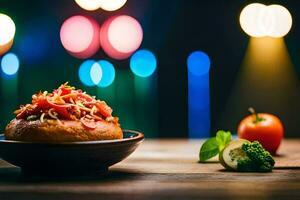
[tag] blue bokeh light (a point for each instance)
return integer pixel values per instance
(84, 72)
(10, 64)
(33, 47)
(143, 63)
(38, 41)
(96, 73)
(198, 63)
(108, 73)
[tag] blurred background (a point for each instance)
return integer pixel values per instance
(266, 78)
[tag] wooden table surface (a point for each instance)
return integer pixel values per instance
(163, 169)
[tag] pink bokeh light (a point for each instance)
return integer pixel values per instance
(120, 36)
(80, 36)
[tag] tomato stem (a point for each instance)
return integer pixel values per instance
(257, 117)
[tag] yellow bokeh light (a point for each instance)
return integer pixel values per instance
(5, 48)
(89, 4)
(282, 21)
(259, 20)
(7, 29)
(249, 19)
(112, 5)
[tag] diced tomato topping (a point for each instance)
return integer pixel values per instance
(86, 97)
(67, 103)
(62, 110)
(104, 109)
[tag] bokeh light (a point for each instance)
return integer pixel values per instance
(283, 21)
(10, 64)
(7, 29)
(249, 19)
(80, 36)
(125, 26)
(112, 36)
(198, 63)
(35, 45)
(259, 20)
(112, 5)
(143, 63)
(7, 33)
(108, 73)
(84, 72)
(89, 4)
(96, 73)
(5, 48)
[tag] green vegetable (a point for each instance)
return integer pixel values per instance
(256, 158)
(244, 156)
(31, 117)
(80, 104)
(214, 145)
(209, 149)
(223, 138)
(66, 85)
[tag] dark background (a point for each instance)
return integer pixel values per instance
(172, 30)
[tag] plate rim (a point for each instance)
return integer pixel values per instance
(139, 137)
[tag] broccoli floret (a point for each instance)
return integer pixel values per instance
(257, 159)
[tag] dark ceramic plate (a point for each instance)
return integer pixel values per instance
(69, 157)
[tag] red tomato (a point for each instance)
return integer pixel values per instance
(62, 110)
(262, 127)
(65, 91)
(86, 97)
(104, 109)
(41, 102)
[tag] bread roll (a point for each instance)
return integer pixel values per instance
(56, 131)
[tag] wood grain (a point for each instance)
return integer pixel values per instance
(163, 169)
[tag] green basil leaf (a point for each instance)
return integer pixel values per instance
(223, 138)
(209, 149)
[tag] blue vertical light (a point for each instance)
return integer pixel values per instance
(198, 64)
